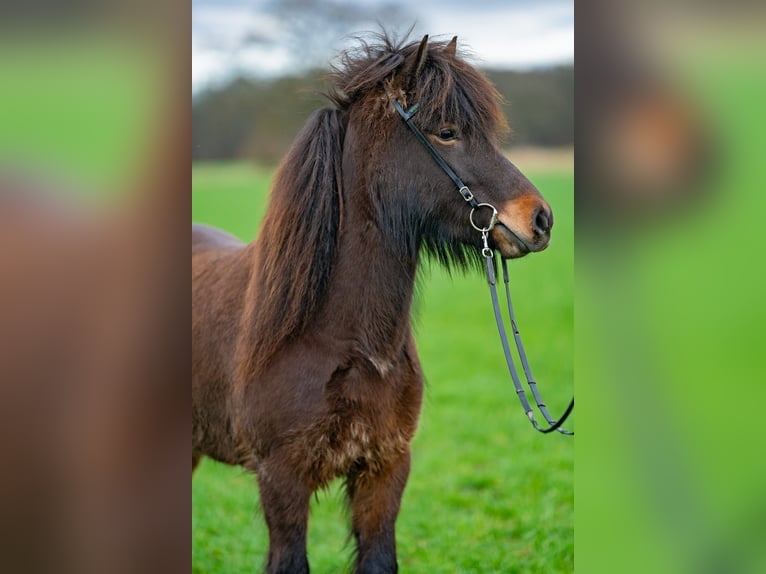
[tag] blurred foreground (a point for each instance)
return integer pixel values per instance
(670, 284)
(94, 131)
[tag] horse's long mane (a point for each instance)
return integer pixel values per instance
(296, 250)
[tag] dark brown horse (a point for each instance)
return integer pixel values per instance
(304, 363)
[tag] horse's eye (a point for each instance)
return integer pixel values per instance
(447, 135)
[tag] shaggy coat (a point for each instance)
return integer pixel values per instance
(304, 364)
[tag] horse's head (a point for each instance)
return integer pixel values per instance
(460, 115)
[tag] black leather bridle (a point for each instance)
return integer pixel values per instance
(489, 258)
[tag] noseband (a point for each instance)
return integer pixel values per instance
(489, 259)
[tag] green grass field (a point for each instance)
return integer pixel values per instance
(486, 493)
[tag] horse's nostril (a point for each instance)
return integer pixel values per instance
(542, 221)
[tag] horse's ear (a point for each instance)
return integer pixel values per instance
(414, 65)
(451, 48)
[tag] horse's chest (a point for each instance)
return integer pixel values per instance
(353, 436)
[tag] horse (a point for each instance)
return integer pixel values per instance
(304, 365)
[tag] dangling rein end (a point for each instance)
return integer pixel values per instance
(553, 425)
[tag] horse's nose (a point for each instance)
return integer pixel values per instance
(542, 220)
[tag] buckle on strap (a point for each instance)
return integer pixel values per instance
(466, 193)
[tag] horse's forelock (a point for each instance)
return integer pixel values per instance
(447, 88)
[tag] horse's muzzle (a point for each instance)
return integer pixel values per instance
(523, 227)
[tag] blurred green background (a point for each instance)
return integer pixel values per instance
(487, 493)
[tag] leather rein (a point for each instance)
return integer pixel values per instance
(489, 259)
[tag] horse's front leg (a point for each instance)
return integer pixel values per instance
(285, 501)
(375, 500)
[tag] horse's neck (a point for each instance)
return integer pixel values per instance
(371, 288)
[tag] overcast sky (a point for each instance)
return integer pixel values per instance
(272, 37)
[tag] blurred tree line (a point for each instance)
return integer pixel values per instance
(258, 119)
